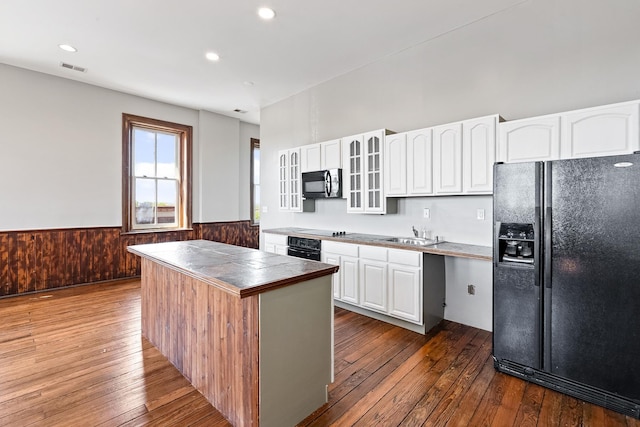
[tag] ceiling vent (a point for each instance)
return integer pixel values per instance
(237, 110)
(73, 67)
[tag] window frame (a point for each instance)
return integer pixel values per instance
(255, 143)
(185, 142)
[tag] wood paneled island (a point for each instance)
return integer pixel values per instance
(251, 330)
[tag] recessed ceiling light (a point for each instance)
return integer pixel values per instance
(248, 83)
(212, 56)
(266, 13)
(67, 47)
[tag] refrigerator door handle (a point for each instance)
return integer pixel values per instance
(547, 247)
(536, 246)
(496, 244)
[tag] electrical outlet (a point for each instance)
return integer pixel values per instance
(265, 209)
(480, 214)
(426, 213)
(471, 289)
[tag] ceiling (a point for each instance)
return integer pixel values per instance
(156, 48)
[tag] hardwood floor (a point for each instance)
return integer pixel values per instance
(75, 357)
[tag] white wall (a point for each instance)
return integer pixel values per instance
(61, 153)
(536, 58)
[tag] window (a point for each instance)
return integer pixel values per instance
(255, 181)
(156, 169)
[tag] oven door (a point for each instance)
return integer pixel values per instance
(304, 253)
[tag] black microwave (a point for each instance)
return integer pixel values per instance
(325, 184)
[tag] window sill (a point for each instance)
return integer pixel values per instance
(152, 230)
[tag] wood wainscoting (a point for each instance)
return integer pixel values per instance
(39, 260)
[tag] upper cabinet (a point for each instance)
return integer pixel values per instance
(528, 140)
(451, 159)
(363, 176)
(447, 158)
(395, 165)
(310, 158)
(601, 131)
(290, 183)
(590, 132)
(408, 164)
(478, 154)
(419, 163)
(321, 156)
(331, 154)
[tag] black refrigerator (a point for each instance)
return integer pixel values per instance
(566, 277)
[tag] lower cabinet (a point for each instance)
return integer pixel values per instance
(388, 281)
(275, 243)
(405, 292)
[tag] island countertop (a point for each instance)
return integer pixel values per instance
(234, 269)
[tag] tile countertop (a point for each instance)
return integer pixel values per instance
(237, 270)
(445, 248)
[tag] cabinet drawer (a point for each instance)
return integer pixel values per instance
(339, 248)
(411, 258)
(275, 239)
(373, 252)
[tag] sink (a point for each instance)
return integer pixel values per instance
(416, 241)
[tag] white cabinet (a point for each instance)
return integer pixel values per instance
(590, 132)
(373, 278)
(363, 172)
(387, 281)
(349, 279)
(405, 292)
(408, 163)
(346, 280)
(447, 158)
(456, 158)
(334, 259)
(395, 164)
(405, 285)
(310, 158)
(478, 154)
(600, 131)
(529, 140)
(275, 243)
(352, 173)
(321, 156)
(331, 154)
(419, 163)
(290, 183)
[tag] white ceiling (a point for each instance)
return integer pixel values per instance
(155, 48)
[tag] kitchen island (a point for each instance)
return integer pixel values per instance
(252, 331)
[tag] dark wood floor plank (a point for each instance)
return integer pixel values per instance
(75, 356)
(415, 393)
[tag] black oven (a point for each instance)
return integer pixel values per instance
(302, 247)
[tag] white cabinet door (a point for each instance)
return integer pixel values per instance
(419, 163)
(334, 259)
(447, 162)
(283, 180)
(349, 279)
(373, 280)
(331, 154)
(405, 292)
(353, 176)
(295, 181)
(310, 158)
(529, 140)
(395, 164)
(478, 154)
(374, 200)
(600, 131)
